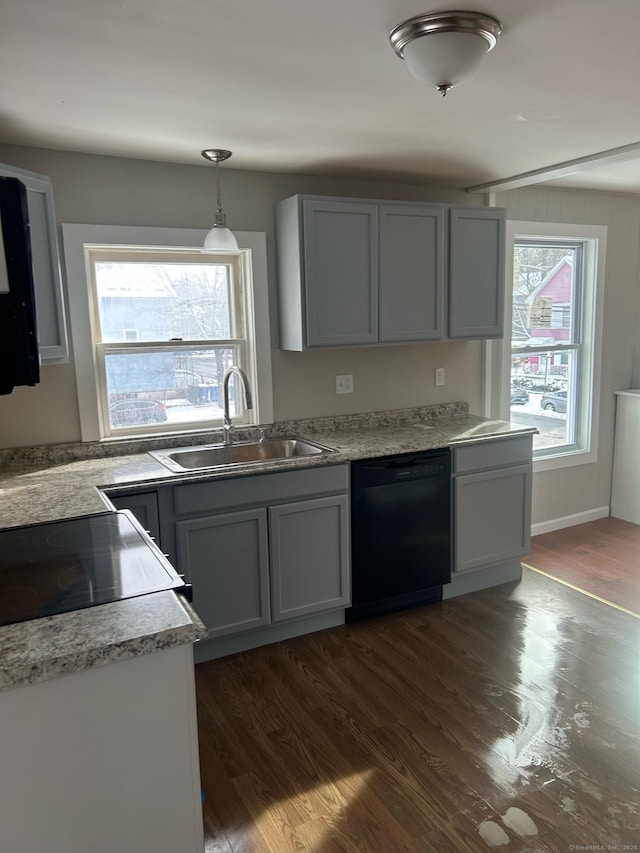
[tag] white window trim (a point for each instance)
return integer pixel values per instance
(497, 354)
(74, 239)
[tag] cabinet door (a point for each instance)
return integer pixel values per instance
(492, 516)
(341, 272)
(144, 507)
(309, 549)
(411, 272)
(50, 316)
(476, 272)
(225, 557)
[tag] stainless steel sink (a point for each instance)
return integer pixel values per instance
(242, 453)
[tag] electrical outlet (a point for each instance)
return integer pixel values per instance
(344, 383)
(439, 376)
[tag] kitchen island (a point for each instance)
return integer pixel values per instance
(97, 707)
(100, 747)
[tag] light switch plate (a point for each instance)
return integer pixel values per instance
(344, 383)
(439, 376)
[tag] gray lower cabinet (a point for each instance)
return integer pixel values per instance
(491, 512)
(492, 504)
(265, 549)
(50, 312)
(144, 506)
(226, 558)
(309, 547)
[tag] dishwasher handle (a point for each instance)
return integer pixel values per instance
(393, 469)
(411, 462)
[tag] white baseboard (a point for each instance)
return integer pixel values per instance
(569, 520)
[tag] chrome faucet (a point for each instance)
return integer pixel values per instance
(227, 425)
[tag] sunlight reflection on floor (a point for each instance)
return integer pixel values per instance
(314, 833)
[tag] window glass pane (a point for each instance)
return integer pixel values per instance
(160, 301)
(543, 396)
(168, 387)
(544, 294)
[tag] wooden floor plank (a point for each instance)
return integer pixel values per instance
(447, 727)
(602, 557)
(541, 670)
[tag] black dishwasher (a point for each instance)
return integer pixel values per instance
(400, 531)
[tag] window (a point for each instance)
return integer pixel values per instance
(551, 354)
(546, 338)
(165, 322)
(166, 328)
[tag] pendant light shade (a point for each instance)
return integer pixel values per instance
(442, 49)
(219, 238)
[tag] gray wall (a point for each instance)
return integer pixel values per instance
(567, 491)
(117, 191)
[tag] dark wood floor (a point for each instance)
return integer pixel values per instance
(601, 557)
(504, 719)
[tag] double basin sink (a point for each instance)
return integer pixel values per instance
(210, 456)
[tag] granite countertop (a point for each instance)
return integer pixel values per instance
(72, 642)
(36, 491)
(43, 484)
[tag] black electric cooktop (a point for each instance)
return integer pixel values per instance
(59, 566)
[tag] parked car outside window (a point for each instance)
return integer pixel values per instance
(554, 401)
(132, 412)
(519, 397)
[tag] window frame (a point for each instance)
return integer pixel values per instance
(251, 255)
(497, 363)
(573, 347)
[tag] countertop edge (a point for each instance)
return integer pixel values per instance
(33, 651)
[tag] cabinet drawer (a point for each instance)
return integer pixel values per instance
(492, 454)
(195, 498)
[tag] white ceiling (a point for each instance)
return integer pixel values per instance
(313, 86)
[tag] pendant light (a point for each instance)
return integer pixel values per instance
(219, 237)
(442, 49)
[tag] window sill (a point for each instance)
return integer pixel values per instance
(564, 460)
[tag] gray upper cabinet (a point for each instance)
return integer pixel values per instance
(358, 273)
(328, 272)
(50, 313)
(476, 272)
(411, 280)
(340, 261)
(354, 272)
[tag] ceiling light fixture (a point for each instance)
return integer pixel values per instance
(456, 44)
(219, 237)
